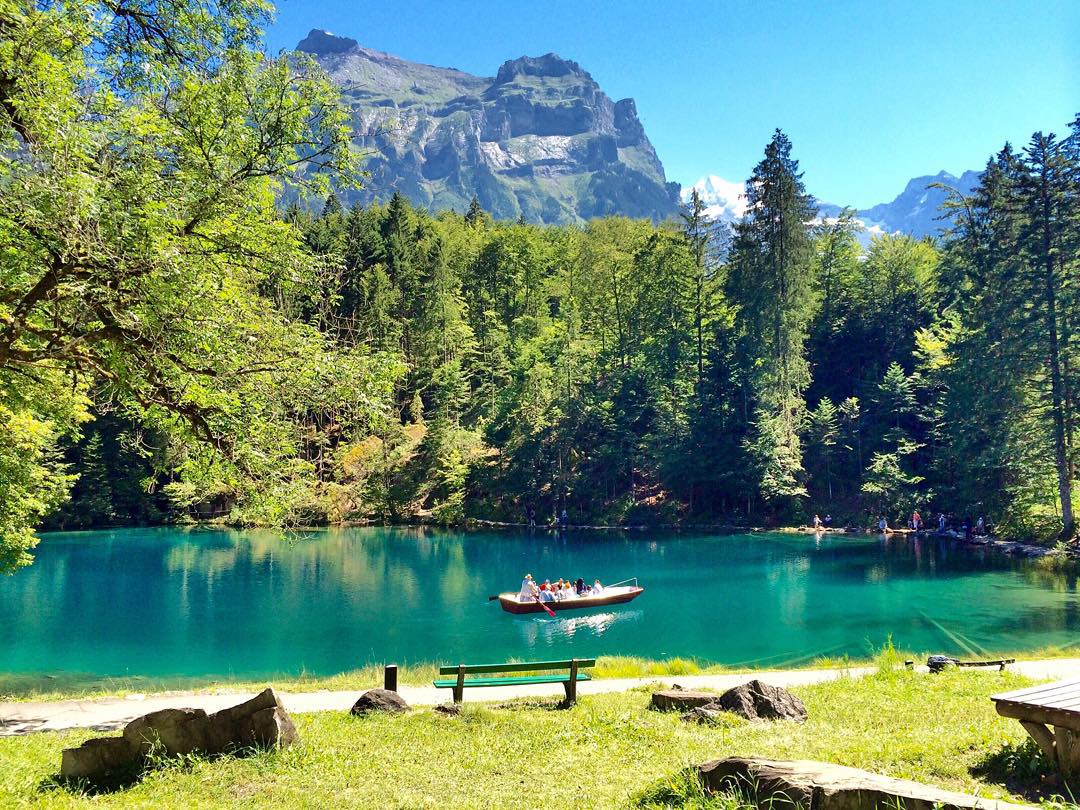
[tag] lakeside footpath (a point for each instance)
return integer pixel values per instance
(106, 714)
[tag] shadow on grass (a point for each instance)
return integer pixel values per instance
(1024, 770)
(118, 780)
(530, 704)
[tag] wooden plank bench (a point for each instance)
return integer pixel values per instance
(1039, 707)
(569, 681)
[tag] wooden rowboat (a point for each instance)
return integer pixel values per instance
(614, 595)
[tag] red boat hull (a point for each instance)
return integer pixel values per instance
(510, 604)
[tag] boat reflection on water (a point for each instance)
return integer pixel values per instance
(547, 630)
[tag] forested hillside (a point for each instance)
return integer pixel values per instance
(634, 373)
(176, 343)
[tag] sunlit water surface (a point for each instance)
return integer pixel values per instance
(173, 603)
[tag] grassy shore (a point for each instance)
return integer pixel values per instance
(608, 751)
(37, 688)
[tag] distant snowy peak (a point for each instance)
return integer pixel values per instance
(724, 200)
(915, 211)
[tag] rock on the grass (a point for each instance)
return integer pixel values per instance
(261, 722)
(824, 786)
(449, 709)
(682, 700)
(174, 731)
(760, 701)
(379, 700)
(709, 713)
(96, 757)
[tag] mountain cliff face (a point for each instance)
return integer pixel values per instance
(539, 140)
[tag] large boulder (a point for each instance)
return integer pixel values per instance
(681, 700)
(102, 755)
(175, 732)
(823, 786)
(379, 700)
(261, 722)
(760, 701)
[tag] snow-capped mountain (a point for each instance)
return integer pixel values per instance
(915, 211)
(724, 200)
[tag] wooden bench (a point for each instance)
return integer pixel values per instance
(1052, 704)
(569, 680)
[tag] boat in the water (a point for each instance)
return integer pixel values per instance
(612, 595)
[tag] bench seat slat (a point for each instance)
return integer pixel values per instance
(527, 679)
(535, 666)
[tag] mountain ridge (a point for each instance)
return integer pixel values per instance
(914, 211)
(539, 139)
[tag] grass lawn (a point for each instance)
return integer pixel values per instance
(608, 751)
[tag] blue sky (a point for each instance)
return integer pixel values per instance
(872, 94)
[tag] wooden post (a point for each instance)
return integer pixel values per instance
(390, 677)
(459, 689)
(1067, 745)
(1043, 736)
(571, 685)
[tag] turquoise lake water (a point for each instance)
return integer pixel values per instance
(166, 603)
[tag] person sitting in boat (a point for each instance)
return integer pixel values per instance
(529, 591)
(545, 585)
(580, 588)
(597, 588)
(547, 595)
(568, 590)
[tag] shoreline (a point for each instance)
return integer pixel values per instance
(1019, 548)
(1013, 547)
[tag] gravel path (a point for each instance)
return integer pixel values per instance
(104, 714)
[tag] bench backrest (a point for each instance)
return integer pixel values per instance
(535, 666)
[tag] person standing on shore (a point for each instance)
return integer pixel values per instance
(941, 522)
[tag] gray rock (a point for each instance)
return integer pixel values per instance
(379, 700)
(175, 732)
(760, 701)
(261, 722)
(830, 787)
(98, 756)
(681, 700)
(707, 714)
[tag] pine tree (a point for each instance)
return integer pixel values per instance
(771, 283)
(824, 430)
(475, 215)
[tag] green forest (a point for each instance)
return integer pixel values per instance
(193, 327)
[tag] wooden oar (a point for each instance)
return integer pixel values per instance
(550, 612)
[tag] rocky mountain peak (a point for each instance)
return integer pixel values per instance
(323, 43)
(549, 65)
(540, 140)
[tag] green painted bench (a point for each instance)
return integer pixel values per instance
(569, 680)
